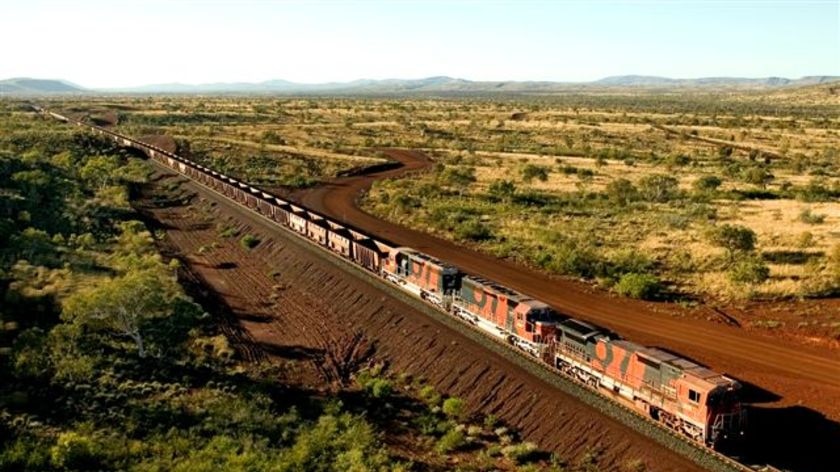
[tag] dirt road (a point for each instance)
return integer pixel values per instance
(713, 343)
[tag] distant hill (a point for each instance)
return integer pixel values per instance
(429, 85)
(450, 85)
(710, 82)
(26, 86)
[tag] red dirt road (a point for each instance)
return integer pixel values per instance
(798, 374)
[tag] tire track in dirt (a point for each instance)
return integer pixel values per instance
(320, 303)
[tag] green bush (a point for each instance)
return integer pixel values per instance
(532, 171)
(454, 408)
(707, 183)
(380, 388)
(75, 451)
(520, 453)
(453, 440)
(249, 242)
(429, 395)
(622, 191)
(751, 270)
(473, 230)
(641, 286)
(733, 238)
(658, 188)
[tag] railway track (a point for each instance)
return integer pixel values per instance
(711, 459)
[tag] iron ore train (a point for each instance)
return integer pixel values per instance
(678, 393)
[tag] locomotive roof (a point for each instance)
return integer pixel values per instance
(424, 257)
(581, 328)
(509, 293)
(684, 365)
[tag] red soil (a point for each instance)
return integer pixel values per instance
(292, 304)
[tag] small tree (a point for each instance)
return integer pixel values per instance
(122, 305)
(734, 238)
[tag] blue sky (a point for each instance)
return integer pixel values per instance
(122, 43)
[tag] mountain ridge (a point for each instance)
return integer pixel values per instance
(435, 84)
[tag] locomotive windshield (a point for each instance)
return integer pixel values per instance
(723, 397)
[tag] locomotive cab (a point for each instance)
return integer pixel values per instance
(727, 417)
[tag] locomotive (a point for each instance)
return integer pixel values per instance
(680, 394)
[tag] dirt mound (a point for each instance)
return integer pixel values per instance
(293, 303)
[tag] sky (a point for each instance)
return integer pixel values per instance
(121, 43)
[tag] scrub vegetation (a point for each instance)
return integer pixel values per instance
(629, 190)
(108, 364)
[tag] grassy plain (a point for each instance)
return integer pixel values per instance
(604, 186)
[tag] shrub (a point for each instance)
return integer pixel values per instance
(622, 191)
(733, 238)
(74, 451)
(519, 453)
(379, 388)
(473, 230)
(453, 440)
(572, 259)
(502, 189)
(249, 242)
(815, 191)
(429, 395)
(757, 176)
(490, 421)
(806, 216)
(531, 172)
(453, 408)
(750, 270)
(635, 285)
(707, 183)
(658, 188)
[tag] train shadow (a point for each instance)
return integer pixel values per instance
(790, 438)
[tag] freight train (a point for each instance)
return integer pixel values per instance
(686, 397)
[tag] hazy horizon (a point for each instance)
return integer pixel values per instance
(200, 42)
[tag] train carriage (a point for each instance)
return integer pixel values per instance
(281, 212)
(338, 239)
(316, 230)
(368, 254)
(297, 221)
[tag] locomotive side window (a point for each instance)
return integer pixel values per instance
(693, 396)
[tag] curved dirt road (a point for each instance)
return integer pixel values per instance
(797, 374)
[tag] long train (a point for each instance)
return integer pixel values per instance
(688, 398)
